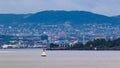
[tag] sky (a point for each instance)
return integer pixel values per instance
(104, 7)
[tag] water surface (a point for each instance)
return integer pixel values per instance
(31, 58)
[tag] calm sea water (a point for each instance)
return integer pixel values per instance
(31, 58)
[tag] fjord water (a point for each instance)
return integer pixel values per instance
(31, 58)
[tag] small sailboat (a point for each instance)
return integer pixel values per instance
(43, 53)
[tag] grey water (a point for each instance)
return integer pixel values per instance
(31, 58)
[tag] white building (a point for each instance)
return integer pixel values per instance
(9, 46)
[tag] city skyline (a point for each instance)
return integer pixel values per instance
(104, 7)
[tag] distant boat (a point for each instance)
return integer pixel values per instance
(43, 53)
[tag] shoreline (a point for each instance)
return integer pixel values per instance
(54, 49)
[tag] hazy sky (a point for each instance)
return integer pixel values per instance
(105, 7)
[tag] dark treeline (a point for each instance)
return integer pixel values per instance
(96, 44)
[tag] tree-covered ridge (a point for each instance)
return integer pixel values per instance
(53, 17)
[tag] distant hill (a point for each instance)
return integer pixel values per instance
(117, 17)
(10, 18)
(53, 17)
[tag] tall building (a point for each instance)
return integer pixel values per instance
(44, 36)
(44, 39)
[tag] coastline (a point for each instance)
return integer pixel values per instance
(69, 49)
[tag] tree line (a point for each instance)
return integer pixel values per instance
(96, 44)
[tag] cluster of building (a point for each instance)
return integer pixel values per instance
(61, 34)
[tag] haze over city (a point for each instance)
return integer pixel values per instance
(104, 7)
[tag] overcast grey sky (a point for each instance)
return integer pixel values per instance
(105, 7)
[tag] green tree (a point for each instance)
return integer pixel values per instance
(78, 46)
(54, 45)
